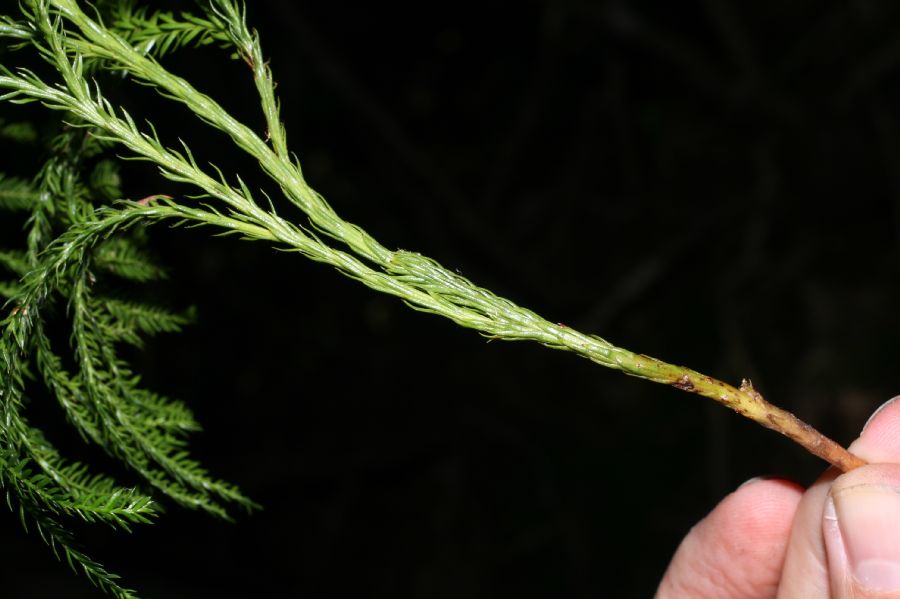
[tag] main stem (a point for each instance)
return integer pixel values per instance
(746, 401)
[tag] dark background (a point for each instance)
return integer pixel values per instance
(712, 183)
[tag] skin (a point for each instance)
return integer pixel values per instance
(773, 539)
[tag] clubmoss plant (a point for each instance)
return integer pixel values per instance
(80, 232)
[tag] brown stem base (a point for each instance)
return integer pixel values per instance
(800, 432)
(747, 402)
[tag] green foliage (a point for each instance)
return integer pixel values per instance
(75, 238)
(102, 396)
(17, 195)
(81, 233)
(160, 32)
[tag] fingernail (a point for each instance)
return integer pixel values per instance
(866, 515)
(879, 410)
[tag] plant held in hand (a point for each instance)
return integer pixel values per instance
(79, 232)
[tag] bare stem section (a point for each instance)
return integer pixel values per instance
(746, 401)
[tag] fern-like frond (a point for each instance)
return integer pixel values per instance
(8, 290)
(122, 258)
(70, 243)
(16, 261)
(132, 321)
(71, 490)
(106, 181)
(165, 414)
(16, 194)
(161, 32)
(21, 132)
(147, 448)
(62, 544)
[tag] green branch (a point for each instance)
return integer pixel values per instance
(102, 398)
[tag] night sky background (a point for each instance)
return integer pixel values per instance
(713, 183)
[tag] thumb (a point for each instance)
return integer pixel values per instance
(861, 518)
(861, 527)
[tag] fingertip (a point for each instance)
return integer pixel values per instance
(763, 505)
(880, 438)
(773, 488)
(738, 550)
(879, 410)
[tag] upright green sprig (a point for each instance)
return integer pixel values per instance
(64, 253)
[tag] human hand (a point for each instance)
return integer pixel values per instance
(838, 539)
